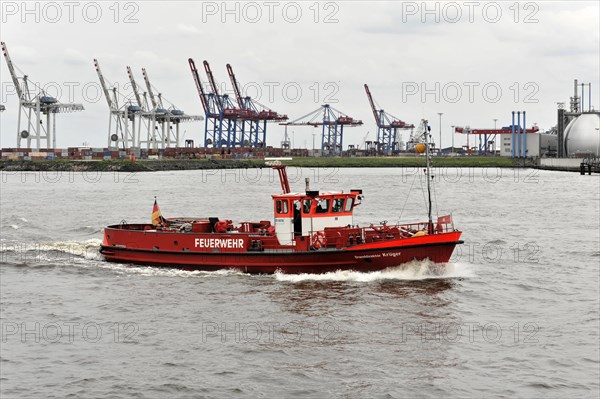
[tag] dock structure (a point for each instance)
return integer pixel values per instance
(589, 166)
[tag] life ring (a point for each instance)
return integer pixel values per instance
(318, 240)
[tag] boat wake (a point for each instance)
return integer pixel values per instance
(80, 253)
(150, 271)
(89, 230)
(14, 223)
(415, 270)
(87, 249)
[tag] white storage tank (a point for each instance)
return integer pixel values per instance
(582, 135)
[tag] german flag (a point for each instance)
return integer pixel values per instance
(445, 219)
(157, 218)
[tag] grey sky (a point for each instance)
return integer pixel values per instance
(328, 51)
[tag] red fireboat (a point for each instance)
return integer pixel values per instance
(313, 232)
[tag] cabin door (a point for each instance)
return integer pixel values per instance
(297, 219)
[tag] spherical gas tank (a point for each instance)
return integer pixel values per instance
(582, 135)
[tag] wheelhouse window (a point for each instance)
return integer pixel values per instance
(338, 205)
(323, 205)
(349, 204)
(306, 205)
(281, 206)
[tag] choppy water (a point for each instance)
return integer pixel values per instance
(515, 314)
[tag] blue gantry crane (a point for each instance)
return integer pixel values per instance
(220, 115)
(333, 122)
(253, 122)
(227, 124)
(388, 139)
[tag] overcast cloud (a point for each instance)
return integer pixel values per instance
(294, 56)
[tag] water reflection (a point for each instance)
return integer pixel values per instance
(320, 298)
(401, 289)
(316, 298)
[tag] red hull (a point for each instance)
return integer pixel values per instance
(364, 258)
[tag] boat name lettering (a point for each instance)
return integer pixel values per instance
(385, 255)
(367, 256)
(219, 243)
(391, 254)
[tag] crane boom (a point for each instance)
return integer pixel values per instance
(211, 78)
(236, 87)
(198, 82)
(134, 88)
(149, 88)
(103, 84)
(375, 114)
(213, 83)
(11, 69)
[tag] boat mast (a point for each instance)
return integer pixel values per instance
(275, 163)
(427, 129)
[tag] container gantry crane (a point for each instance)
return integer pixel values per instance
(145, 114)
(387, 128)
(231, 117)
(220, 115)
(333, 122)
(254, 121)
(158, 115)
(166, 118)
(33, 107)
(120, 134)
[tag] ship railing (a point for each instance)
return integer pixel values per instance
(337, 237)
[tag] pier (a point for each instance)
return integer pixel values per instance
(589, 166)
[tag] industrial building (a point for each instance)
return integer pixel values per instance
(537, 145)
(578, 129)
